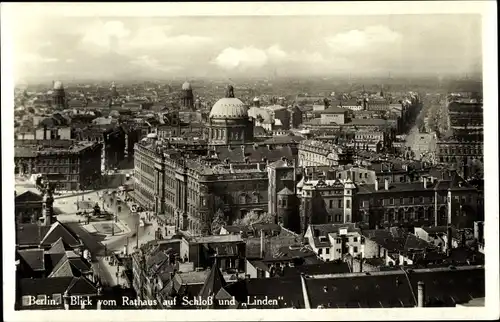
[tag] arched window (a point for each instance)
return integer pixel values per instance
(256, 197)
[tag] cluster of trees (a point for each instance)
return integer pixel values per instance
(250, 218)
(438, 121)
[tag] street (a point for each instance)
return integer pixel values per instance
(65, 206)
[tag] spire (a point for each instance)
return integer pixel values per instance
(214, 282)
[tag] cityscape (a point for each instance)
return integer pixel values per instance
(175, 164)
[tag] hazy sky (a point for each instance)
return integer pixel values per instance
(232, 46)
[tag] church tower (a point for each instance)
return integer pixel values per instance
(187, 97)
(47, 206)
(58, 96)
(287, 210)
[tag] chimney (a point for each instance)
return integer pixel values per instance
(449, 240)
(425, 182)
(261, 244)
(386, 184)
(376, 184)
(421, 294)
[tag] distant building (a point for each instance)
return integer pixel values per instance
(59, 96)
(317, 153)
(28, 207)
(69, 164)
(187, 97)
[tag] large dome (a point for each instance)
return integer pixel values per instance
(58, 85)
(186, 86)
(229, 108)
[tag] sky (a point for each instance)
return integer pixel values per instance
(230, 46)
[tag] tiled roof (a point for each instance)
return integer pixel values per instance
(81, 286)
(30, 234)
(325, 229)
(45, 286)
(57, 247)
(397, 187)
(443, 287)
(386, 239)
(323, 268)
(288, 290)
(372, 122)
(254, 153)
(58, 230)
(28, 196)
(63, 268)
(214, 282)
(80, 264)
(286, 192)
(333, 110)
(34, 258)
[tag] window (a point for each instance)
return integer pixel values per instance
(331, 204)
(411, 199)
(327, 251)
(355, 249)
(361, 176)
(366, 175)
(391, 201)
(338, 241)
(355, 239)
(338, 251)
(320, 251)
(348, 204)
(339, 203)
(401, 201)
(330, 218)
(26, 300)
(421, 199)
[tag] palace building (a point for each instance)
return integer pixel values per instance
(69, 164)
(187, 188)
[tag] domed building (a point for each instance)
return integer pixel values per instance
(229, 123)
(256, 102)
(58, 96)
(187, 97)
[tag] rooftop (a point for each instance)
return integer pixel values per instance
(32, 148)
(395, 288)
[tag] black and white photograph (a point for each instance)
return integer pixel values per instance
(339, 156)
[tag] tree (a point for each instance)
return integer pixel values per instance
(252, 218)
(218, 222)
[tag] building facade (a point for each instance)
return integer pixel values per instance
(69, 164)
(317, 153)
